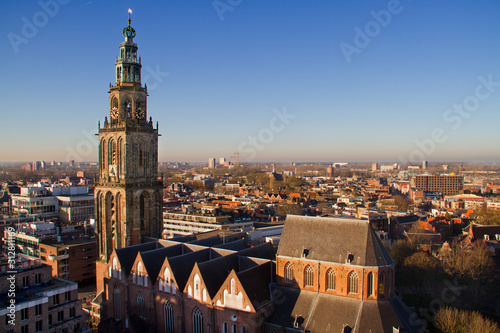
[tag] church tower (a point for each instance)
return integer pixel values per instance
(128, 195)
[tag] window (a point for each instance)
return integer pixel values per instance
(233, 328)
(139, 273)
(39, 326)
(38, 309)
(331, 279)
(353, 282)
(289, 273)
(308, 276)
(72, 312)
(24, 314)
(26, 281)
(60, 316)
(50, 319)
(140, 305)
(55, 299)
(370, 284)
(381, 285)
(166, 276)
(116, 302)
(38, 278)
(224, 327)
(25, 329)
(197, 321)
(67, 296)
(168, 314)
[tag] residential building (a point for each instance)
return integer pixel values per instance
(444, 184)
(72, 260)
(41, 303)
(176, 224)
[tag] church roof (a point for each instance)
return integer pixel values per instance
(332, 240)
(310, 311)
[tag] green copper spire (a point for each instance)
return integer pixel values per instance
(128, 65)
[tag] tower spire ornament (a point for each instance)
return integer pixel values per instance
(128, 195)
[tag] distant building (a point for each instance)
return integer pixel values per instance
(222, 160)
(211, 162)
(444, 184)
(176, 224)
(374, 166)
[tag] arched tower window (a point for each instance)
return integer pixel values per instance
(331, 279)
(168, 315)
(381, 284)
(308, 276)
(197, 321)
(353, 282)
(224, 327)
(289, 273)
(370, 284)
(233, 328)
(140, 305)
(116, 302)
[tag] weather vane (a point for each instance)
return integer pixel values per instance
(129, 12)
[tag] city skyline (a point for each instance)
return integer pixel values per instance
(397, 81)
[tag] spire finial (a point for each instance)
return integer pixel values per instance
(129, 12)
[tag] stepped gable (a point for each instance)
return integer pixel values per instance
(256, 281)
(331, 240)
(127, 255)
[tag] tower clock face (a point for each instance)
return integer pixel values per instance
(140, 113)
(114, 113)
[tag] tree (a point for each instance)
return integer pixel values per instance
(487, 216)
(469, 263)
(285, 209)
(402, 250)
(401, 202)
(452, 320)
(420, 266)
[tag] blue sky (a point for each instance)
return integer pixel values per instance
(279, 80)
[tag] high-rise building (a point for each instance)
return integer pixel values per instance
(222, 160)
(374, 166)
(128, 195)
(444, 184)
(425, 164)
(211, 162)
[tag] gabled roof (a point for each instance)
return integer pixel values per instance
(331, 313)
(183, 265)
(215, 272)
(263, 251)
(153, 260)
(479, 230)
(127, 255)
(331, 240)
(256, 283)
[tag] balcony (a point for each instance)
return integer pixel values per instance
(59, 257)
